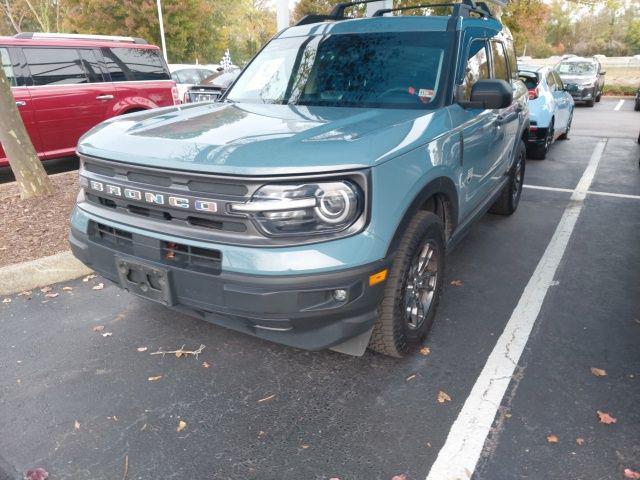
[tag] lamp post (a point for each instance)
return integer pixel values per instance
(373, 7)
(282, 9)
(164, 45)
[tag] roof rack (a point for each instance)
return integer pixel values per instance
(79, 36)
(463, 8)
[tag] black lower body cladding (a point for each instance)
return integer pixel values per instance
(303, 311)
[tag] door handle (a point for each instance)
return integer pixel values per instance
(104, 97)
(21, 103)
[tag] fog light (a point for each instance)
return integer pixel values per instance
(340, 295)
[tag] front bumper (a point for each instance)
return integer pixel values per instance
(295, 310)
(583, 94)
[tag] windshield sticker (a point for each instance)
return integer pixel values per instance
(426, 95)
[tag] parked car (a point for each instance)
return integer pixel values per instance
(550, 109)
(637, 104)
(186, 76)
(66, 84)
(313, 206)
(213, 87)
(583, 78)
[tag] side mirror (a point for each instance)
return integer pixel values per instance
(490, 94)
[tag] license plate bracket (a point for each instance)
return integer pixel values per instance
(144, 280)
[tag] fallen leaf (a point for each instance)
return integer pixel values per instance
(144, 427)
(508, 415)
(6, 300)
(99, 286)
(205, 365)
(179, 353)
(628, 473)
(262, 434)
(142, 349)
(606, 418)
(114, 418)
(552, 438)
(411, 377)
(107, 334)
(155, 379)
(76, 425)
(456, 283)
(580, 441)
(36, 474)
(443, 397)
(67, 289)
(181, 426)
(88, 277)
(51, 295)
(26, 293)
(304, 446)
(598, 372)
(425, 351)
(45, 289)
(399, 477)
(98, 328)
(266, 399)
(429, 444)
(19, 381)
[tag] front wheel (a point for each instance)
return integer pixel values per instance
(413, 288)
(509, 198)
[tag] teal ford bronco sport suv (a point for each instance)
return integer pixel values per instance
(314, 203)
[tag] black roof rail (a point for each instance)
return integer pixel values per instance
(460, 9)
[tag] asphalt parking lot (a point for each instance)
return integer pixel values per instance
(85, 403)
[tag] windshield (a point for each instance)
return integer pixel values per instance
(389, 70)
(577, 68)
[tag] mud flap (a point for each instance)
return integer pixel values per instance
(355, 346)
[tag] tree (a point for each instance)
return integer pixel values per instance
(26, 166)
(33, 15)
(527, 20)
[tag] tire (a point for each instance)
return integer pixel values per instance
(599, 97)
(509, 198)
(636, 107)
(565, 135)
(539, 152)
(396, 333)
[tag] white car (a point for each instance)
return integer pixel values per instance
(186, 76)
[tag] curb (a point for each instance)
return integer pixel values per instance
(41, 272)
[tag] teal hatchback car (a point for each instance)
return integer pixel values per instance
(313, 205)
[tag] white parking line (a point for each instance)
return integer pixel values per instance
(619, 105)
(459, 455)
(589, 192)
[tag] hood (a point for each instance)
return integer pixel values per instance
(250, 139)
(578, 79)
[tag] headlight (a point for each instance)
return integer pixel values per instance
(304, 209)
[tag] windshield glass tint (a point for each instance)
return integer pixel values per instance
(392, 70)
(577, 68)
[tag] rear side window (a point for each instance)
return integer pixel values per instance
(477, 67)
(551, 81)
(135, 64)
(91, 65)
(499, 57)
(7, 66)
(187, 75)
(530, 79)
(55, 66)
(559, 81)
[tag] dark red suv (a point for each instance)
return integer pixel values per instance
(66, 84)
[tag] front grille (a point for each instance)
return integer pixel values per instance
(168, 253)
(192, 188)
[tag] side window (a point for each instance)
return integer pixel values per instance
(559, 82)
(91, 66)
(7, 66)
(499, 61)
(139, 63)
(551, 81)
(477, 67)
(55, 66)
(114, 66)
(511, 59)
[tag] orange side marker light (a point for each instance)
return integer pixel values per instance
(379, 277)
